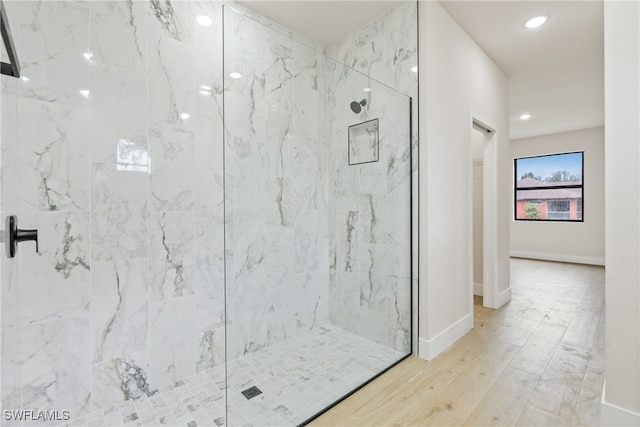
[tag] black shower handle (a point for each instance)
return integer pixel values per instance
(14, 235)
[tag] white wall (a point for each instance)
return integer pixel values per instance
(458, 81)
(621, 400)
(581, 242)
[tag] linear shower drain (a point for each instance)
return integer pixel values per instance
(251, 392)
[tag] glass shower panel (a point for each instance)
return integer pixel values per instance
(317, 226)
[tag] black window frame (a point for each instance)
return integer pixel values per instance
(545, 187)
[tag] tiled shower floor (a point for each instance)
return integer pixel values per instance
(298, 378)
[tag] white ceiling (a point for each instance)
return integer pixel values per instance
(556, 72)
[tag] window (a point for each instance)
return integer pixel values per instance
(549, 188)
(579, 211)
(559, 209)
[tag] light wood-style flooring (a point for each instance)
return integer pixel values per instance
(537, 361)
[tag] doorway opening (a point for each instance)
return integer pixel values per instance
(483, 214)
(477, 145)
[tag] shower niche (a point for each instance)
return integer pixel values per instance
(364, 145)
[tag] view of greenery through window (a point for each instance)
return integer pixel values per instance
(549, 187)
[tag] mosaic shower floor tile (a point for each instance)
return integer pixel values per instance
(297, 379)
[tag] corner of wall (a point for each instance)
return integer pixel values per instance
(429, 349)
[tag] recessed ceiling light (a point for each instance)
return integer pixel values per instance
(235, 75)
(185, 116)
(204, 20)
(525, 116)
(85, 93)
(536, 21)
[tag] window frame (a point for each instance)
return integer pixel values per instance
(546, 187)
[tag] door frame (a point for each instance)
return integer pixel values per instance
(489, 211)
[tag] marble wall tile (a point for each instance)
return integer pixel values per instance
(56, 366)
(119, 308)
(118, 213)
(172, 88)
(52, 55)
(209, 291)
(385, 48)
(373, 276)
(119, 133)
(172, 178)
(171, 255)
(347, 252)
(171, 341)
(310, 306)
(172, 19)
(121, 378)
(247, 331)
(119, 34)
(54, 156)
(399, 312)
(207, 118)
(248, 247)
(9, 290)
(210, 350)
(374, 209)
(307, 242)
(209, 182)
(55, 282)
(280, 324)
(398, 259)
(10, 371)
(273, 26)
(10, 173)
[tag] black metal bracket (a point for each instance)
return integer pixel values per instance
(13, 67)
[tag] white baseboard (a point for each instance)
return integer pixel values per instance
(429, 349)
(612, 415)
(558, 257)
(503, 298)
(477, 289)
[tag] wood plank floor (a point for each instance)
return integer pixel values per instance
(537, 361)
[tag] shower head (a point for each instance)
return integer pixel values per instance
(356, 107)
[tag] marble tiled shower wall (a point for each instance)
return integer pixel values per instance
(112, 146)
(311, 239)
(277, 243)
(114, 139)
(387, 50)
(370, 217)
